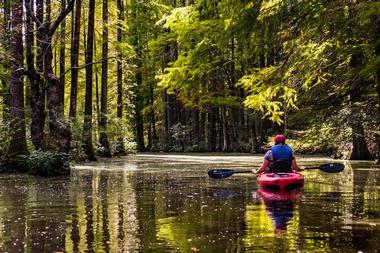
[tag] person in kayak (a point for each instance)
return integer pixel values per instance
(280, 158)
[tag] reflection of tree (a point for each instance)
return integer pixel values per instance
(31, 214)
(12, 215)
(105, 213)
(198, 219)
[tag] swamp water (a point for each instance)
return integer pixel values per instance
(167, 203)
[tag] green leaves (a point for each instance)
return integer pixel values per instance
(271, 99)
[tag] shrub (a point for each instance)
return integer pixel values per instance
(39, 163)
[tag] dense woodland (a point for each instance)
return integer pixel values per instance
(96, 77)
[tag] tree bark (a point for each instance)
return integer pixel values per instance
(74, 60)
(60, 134)
(359, 144)
(202, 128)
(17, 115)
(120, 150)
(87, 124)
(103, 139)
(5, 80)
(196, 128)
(62, 62)
(211, 135)
(226, 138)
(37, 83)
(153, 117)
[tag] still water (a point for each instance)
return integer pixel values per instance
(167, 203)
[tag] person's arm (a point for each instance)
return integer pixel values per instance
(266, 162)
(263, 166)
(295, 165)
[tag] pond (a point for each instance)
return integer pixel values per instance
(167, 203)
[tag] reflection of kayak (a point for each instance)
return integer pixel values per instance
(280, 205)
(270, 195)
(280, 180)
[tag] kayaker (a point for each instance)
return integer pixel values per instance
(280, 158)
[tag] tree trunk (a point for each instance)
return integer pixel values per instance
(103, 140)
(202, 128)
(120, 150)
(60, 134)
(140, 131)
(87, 124)
(62, 62)
(196, 128)
(153, 117)
(138, 101)
(359, 143)
(17, 115)
(37, 83)
(74, 60)
(211, 134)
(5, 80)
(226, 138)
(171, 110)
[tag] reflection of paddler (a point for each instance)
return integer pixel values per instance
(280, 204)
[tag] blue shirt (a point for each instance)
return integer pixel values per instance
(279, 152)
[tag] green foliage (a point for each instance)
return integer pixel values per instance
(46, 164)
(4, 140)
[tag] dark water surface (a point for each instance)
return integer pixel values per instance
(167, 203)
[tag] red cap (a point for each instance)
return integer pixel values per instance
(279, 138)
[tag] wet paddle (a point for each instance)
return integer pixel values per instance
(223, 173)
(328, 167)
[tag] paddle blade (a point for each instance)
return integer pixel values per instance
(332, 167)
(220, 173)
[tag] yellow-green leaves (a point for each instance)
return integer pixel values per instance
(268, 93)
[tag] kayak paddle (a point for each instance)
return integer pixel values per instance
(328, 167)
(223, 173)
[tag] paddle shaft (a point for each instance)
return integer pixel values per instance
(223, 173)
(242, 171)
(312, 168)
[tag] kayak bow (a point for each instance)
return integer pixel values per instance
(280, 180)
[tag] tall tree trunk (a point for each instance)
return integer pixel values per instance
(120, 150)
(202, 128)
(171, 109)
(153, 116)
(37, 83)
(359, 143)
(74, 60)
(87, 124)
(196, 128)
(226, 138)
(5, 80)
(62, 62)
(139, 118)
(17, 115)
(376, 41)
(60, 134)
(211, 134)
(139, 121)
(103, 140)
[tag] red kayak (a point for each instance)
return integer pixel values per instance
(280, 180)
(272, 195)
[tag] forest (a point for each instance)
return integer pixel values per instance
(102, 78)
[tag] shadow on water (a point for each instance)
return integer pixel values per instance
(164, 203)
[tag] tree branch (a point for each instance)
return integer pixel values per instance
(84, 66)
(61, 17)
(31, 14)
